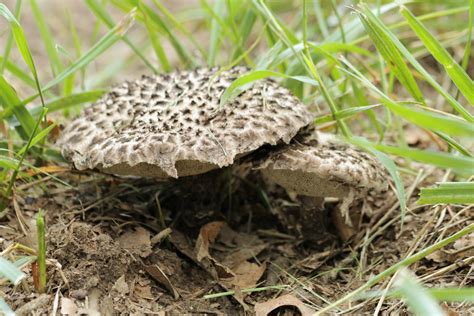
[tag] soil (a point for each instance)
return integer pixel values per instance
(108, 251)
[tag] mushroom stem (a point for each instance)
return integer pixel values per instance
(314, 219)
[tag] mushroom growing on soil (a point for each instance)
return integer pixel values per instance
(171, 125)
(317, 165)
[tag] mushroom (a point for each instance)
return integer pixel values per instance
(317, 165)
(171, 125)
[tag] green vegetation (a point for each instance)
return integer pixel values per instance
(367, 75)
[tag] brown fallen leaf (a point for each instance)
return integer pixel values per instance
(136, 242)
(143, 291)
(157, 273)
(247, 274)
(243, 254)
(344, 230)
(207, 234)
(121, 286)
(242, 274)
(448, 310)
(68, 307)
(264, 309)
(181, 242)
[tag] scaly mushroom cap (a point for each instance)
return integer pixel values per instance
(171, 125)
(319, 165)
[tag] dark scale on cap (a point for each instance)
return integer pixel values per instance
(138, 117)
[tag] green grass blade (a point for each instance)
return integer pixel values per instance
(216, 29)
(445, 294)
(448, 192)
(454, 144)
(22, 44)
(8, 163)
(160, 25)
(243, 83)
(391, 168)
(58, 104)
(38, 137)
(448, 124)
(55, 61)
(155, 41)
(77, 46)
(11, 183)
(40, 226)
(110, 71)
(461, 164)
(322, 22)
(354, 28)
(433, 121)
(453, 294)
(276, 24)
(392, 56)
(73, 100)
(244, 31)
(175, 23)
(417, 298)
(10, 101)
(102, 14)
(312, 69)
(9, 271)
(16, 71)
(103, 44)
(345, 113)
(361, 101)
(9, 43)
(408, 56)
(394, 268)
(24, 261)
(467, 50)
(453, 69)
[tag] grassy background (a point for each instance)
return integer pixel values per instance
(394, 79)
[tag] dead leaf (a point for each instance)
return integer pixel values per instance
(437, 256)
(448, 310)
(264, 309)
(137, 242)
(143, 291)
(344, 230)
(207, 234)
(157, 273)
(121, 286)
(247, 274)
(68, 307)
(94, 303)
(463, 242)
(243, 254)
(315, 260)
(180, 241)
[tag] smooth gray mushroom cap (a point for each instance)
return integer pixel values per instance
(319, 165)
(171, 125)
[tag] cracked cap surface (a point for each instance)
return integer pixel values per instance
(319, 165)
(171, 125)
